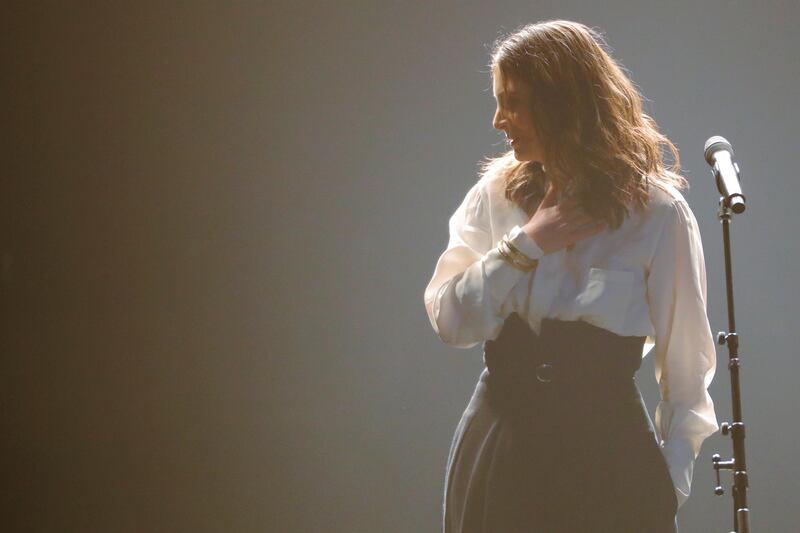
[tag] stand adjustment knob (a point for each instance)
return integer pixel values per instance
(718, 490)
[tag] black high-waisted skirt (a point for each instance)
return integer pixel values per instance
(556, 438)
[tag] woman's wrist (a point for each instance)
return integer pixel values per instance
(514, 257)
(521, 237)
(518, 250)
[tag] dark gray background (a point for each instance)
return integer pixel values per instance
(219, 219)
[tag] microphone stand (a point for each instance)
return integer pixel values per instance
(741, 514)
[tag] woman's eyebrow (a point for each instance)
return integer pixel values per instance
(505, 94)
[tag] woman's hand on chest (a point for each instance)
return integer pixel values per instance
(558, 225)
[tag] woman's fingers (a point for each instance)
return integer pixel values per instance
(549, 197)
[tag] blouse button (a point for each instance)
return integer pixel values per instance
(544, 373)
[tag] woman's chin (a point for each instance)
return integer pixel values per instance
(520, 155)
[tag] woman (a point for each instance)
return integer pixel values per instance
(571, 251)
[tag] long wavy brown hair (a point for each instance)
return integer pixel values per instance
(599, 145)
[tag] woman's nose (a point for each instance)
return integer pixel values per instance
(498, 122)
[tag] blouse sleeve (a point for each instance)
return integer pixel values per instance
(685, 356)
(471, 281)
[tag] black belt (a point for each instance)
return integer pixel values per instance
(566, 355)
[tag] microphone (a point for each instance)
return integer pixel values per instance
(719, 155)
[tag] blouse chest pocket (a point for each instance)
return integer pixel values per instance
(605, 298)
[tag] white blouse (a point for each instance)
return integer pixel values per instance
(647, 278)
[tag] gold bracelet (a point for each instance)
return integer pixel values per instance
(510, 260)
(521, 257)
(508, 256)
(514, 257)
(517, 254)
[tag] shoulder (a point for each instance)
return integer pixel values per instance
(666, 202)
(665, 197)
(475, 205)
(671, 213)
(493, 179)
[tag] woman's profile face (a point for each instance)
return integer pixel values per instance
(513, 117)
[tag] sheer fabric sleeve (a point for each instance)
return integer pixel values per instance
(685, 354)
(471, 281)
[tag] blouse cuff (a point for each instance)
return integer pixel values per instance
(525, 243)
(679, 455)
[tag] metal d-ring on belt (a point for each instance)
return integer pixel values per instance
(544, 372)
